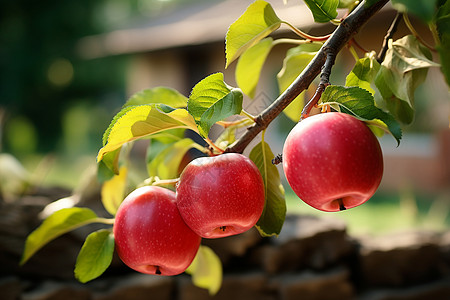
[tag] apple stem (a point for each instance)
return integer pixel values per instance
(341, 204)
(157, 271)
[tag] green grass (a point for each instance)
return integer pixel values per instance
(385, 213)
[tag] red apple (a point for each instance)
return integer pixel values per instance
(221, 195)
(150, 235)
(332, 161)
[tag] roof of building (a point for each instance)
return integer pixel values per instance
(194, 24)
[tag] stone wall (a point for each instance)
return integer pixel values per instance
(313, 258)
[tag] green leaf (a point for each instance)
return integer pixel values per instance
(349, 4)
(257, 22)
(296, 60)
(400, 109)
(166, 164)
(442, 21)
(136, 122)
(95, 255)
(108, 166)
(323, 10)
(249, 66)
(113, 191)
(274, 213)
(424, 9)
(206, 270)
(402, 71)
(363, 73)
(360, 103)
(60, 222)
(163, 95)
(212, 100)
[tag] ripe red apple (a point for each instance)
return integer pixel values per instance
(150, 235)
(221, 195)
(332, 161)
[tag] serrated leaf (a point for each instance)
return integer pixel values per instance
(166, 164)
(257, 22)
(360, 103)
(274, 213)
(212, 100)
(95, 256)
(402, 71)
(424, 9)
(442, 21)
(206, 270)
(135, 122)
(363, 73)
(249, 66)
(296, 60)
(167, 96)
(113, 191)
(57, 224)
(323, 10)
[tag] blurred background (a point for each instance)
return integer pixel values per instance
(66, 67)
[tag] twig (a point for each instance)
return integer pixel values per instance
(389, 34)
(340, 37)
(415, 33)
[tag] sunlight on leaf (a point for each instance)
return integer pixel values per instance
(206, 270)
(323, 10)
(95, 256)
(249, 66)
(296, 60)
(257, 22)
(135, 122)
(360, 103)
(60, 222)
(113, 191)
(274, 213)
(212, 100)
(363, 73)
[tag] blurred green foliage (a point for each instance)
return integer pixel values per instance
(42, 75)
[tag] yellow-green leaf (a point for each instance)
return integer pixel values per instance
(95, 256)
(166, 164)
(113, 191)
(257, 22)
(249, 66)
(212, 100)
(295, 61)
(135, 122)
(206, 270)
(60, 222)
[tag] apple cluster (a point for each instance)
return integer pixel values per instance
(332, 161)
(158, 231)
